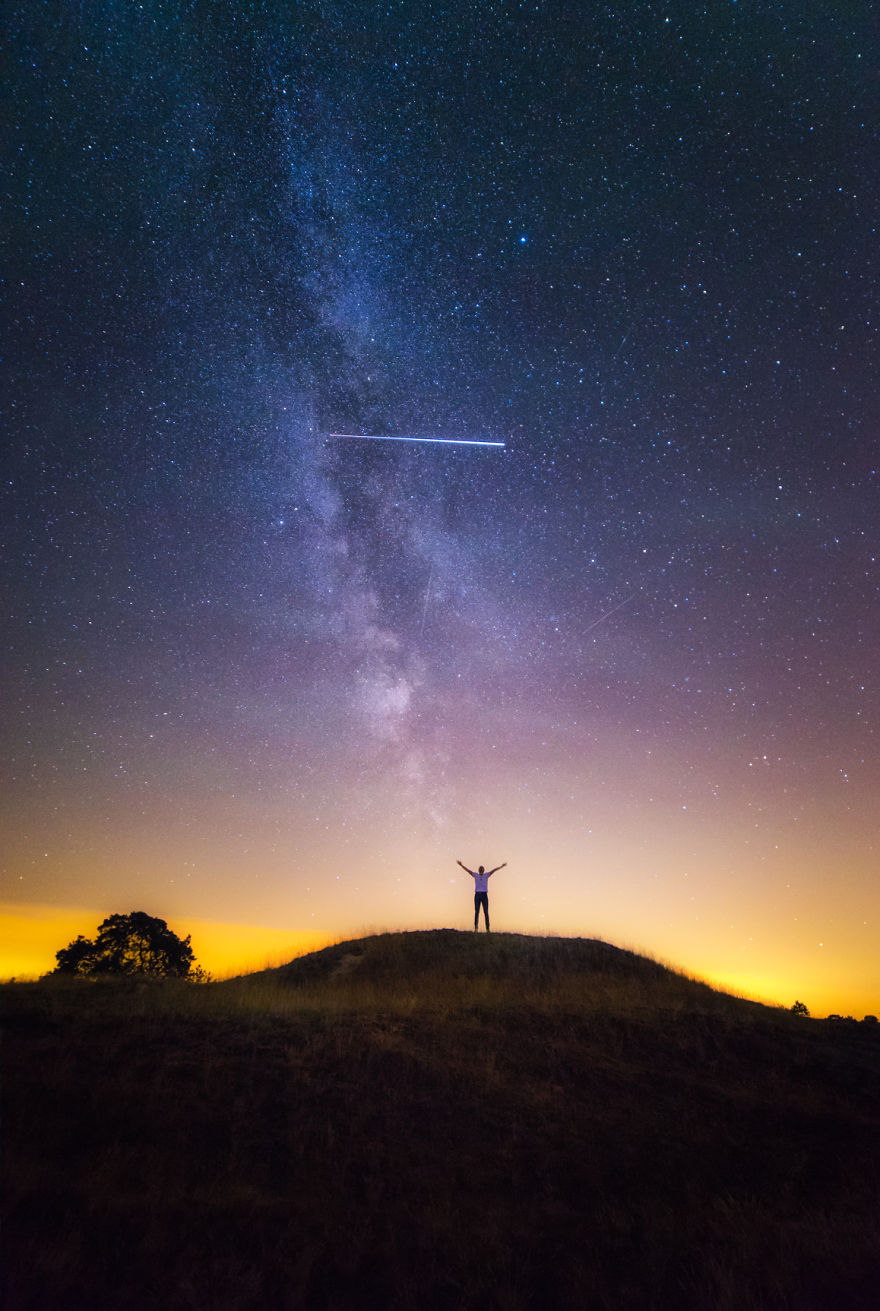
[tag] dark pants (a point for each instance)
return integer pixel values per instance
(481, 899)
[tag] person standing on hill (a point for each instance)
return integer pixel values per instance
(481, 879)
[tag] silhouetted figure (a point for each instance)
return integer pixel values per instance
(481, 879)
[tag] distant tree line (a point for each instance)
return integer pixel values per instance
(800, 1009)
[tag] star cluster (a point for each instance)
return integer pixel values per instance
(258, 674)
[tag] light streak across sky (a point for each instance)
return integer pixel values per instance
(439, 441)
(608, 613)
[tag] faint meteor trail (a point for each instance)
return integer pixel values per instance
(609, 613)
(620, 347)
(427, 599)
(440, 441)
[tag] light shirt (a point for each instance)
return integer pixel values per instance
(481, 881)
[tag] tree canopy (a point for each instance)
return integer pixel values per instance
(136, 943)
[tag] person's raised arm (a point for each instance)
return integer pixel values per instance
(497, 868)
(465, 868)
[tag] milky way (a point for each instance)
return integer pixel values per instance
(257, 673)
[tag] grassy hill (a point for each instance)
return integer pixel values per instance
(437, 1120)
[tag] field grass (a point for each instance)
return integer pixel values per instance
(436, 1120)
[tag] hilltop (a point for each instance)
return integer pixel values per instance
(435, 1120)
(451, 955)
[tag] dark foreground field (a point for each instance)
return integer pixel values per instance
(433, 1120)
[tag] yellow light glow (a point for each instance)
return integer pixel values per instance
(30, 935)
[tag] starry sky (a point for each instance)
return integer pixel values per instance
(259, 679)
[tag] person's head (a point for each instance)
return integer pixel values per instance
(481, 870)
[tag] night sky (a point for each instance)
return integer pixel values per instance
(256, 675)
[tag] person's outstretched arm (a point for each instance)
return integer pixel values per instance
(466, 870)
(496, 869)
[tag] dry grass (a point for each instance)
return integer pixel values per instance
(435, 1120)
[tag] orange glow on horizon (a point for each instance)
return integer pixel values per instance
(30, 935)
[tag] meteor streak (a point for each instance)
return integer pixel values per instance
(427, 599)
(442, 441)
(608, 613)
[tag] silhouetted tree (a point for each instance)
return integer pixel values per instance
(799, 1008)
(129, 944)
(870, 1019)
(76, 958)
